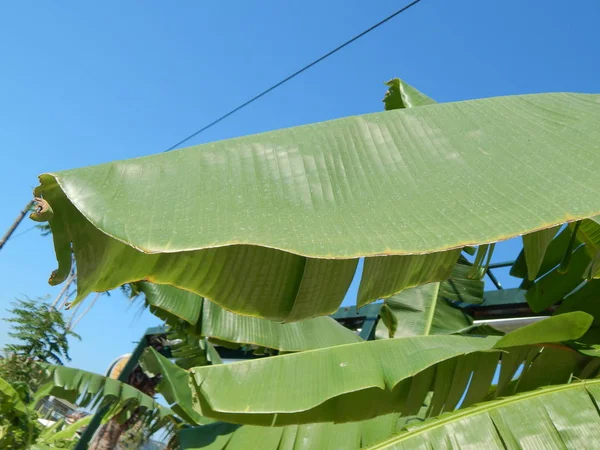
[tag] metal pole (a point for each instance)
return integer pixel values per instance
(501, 264)
(15, 224)
(494, 279)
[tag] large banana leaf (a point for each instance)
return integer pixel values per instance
(271, 225)
(173, 385)
(359, 381)
(420, 311)
(346, 436)
(556, 417)
(526, 414)
(207, 319)
(88, 389)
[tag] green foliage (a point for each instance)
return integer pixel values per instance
(19, 425)
(203, 318)
(556, 417)
(41, 332)
(22, 369)
(292, 210)
(272, 226)
(88, 389)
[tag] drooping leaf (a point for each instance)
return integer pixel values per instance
(586, 299)
(210, 320)
(346, 436)
(383, 277)
(420, 311)
(460, 288)
(589, 233)
(552, 257)
(88, 389)
(295, 208)
(188, 350)
(359, 381)
(173, 385)
(483, 258)
(559, 328)
(339, 384)
(554, 286)
(68, 432)
(564, 265)
(556, 417)
(535, 246)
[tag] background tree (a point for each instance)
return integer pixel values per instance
(41, 336)
(41, 332)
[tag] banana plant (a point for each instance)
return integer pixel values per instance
(352, 410)
(271, 226)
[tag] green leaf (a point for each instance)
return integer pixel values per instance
(460, 288)
(68, 432)
(188, 350)
(347, 436)
(564, 327)
(88, 389)
(589, 233)
(212, 321)
(534, 247)
(173, 385)
(384, 277)
(11, 398)
(420, 311)
(584, 299)
(554, 254)
(557, 417)
(359, 381)
(402, 95)
(339, 384)
(295, 208)
(554, 286)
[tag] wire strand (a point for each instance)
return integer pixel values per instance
(23, 232)
(293, 75)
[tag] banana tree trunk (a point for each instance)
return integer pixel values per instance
(108, 435)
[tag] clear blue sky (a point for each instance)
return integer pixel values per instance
(83, 83)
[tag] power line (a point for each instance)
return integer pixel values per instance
(23, 232)
(295, 74)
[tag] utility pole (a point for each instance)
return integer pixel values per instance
(15, 224)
